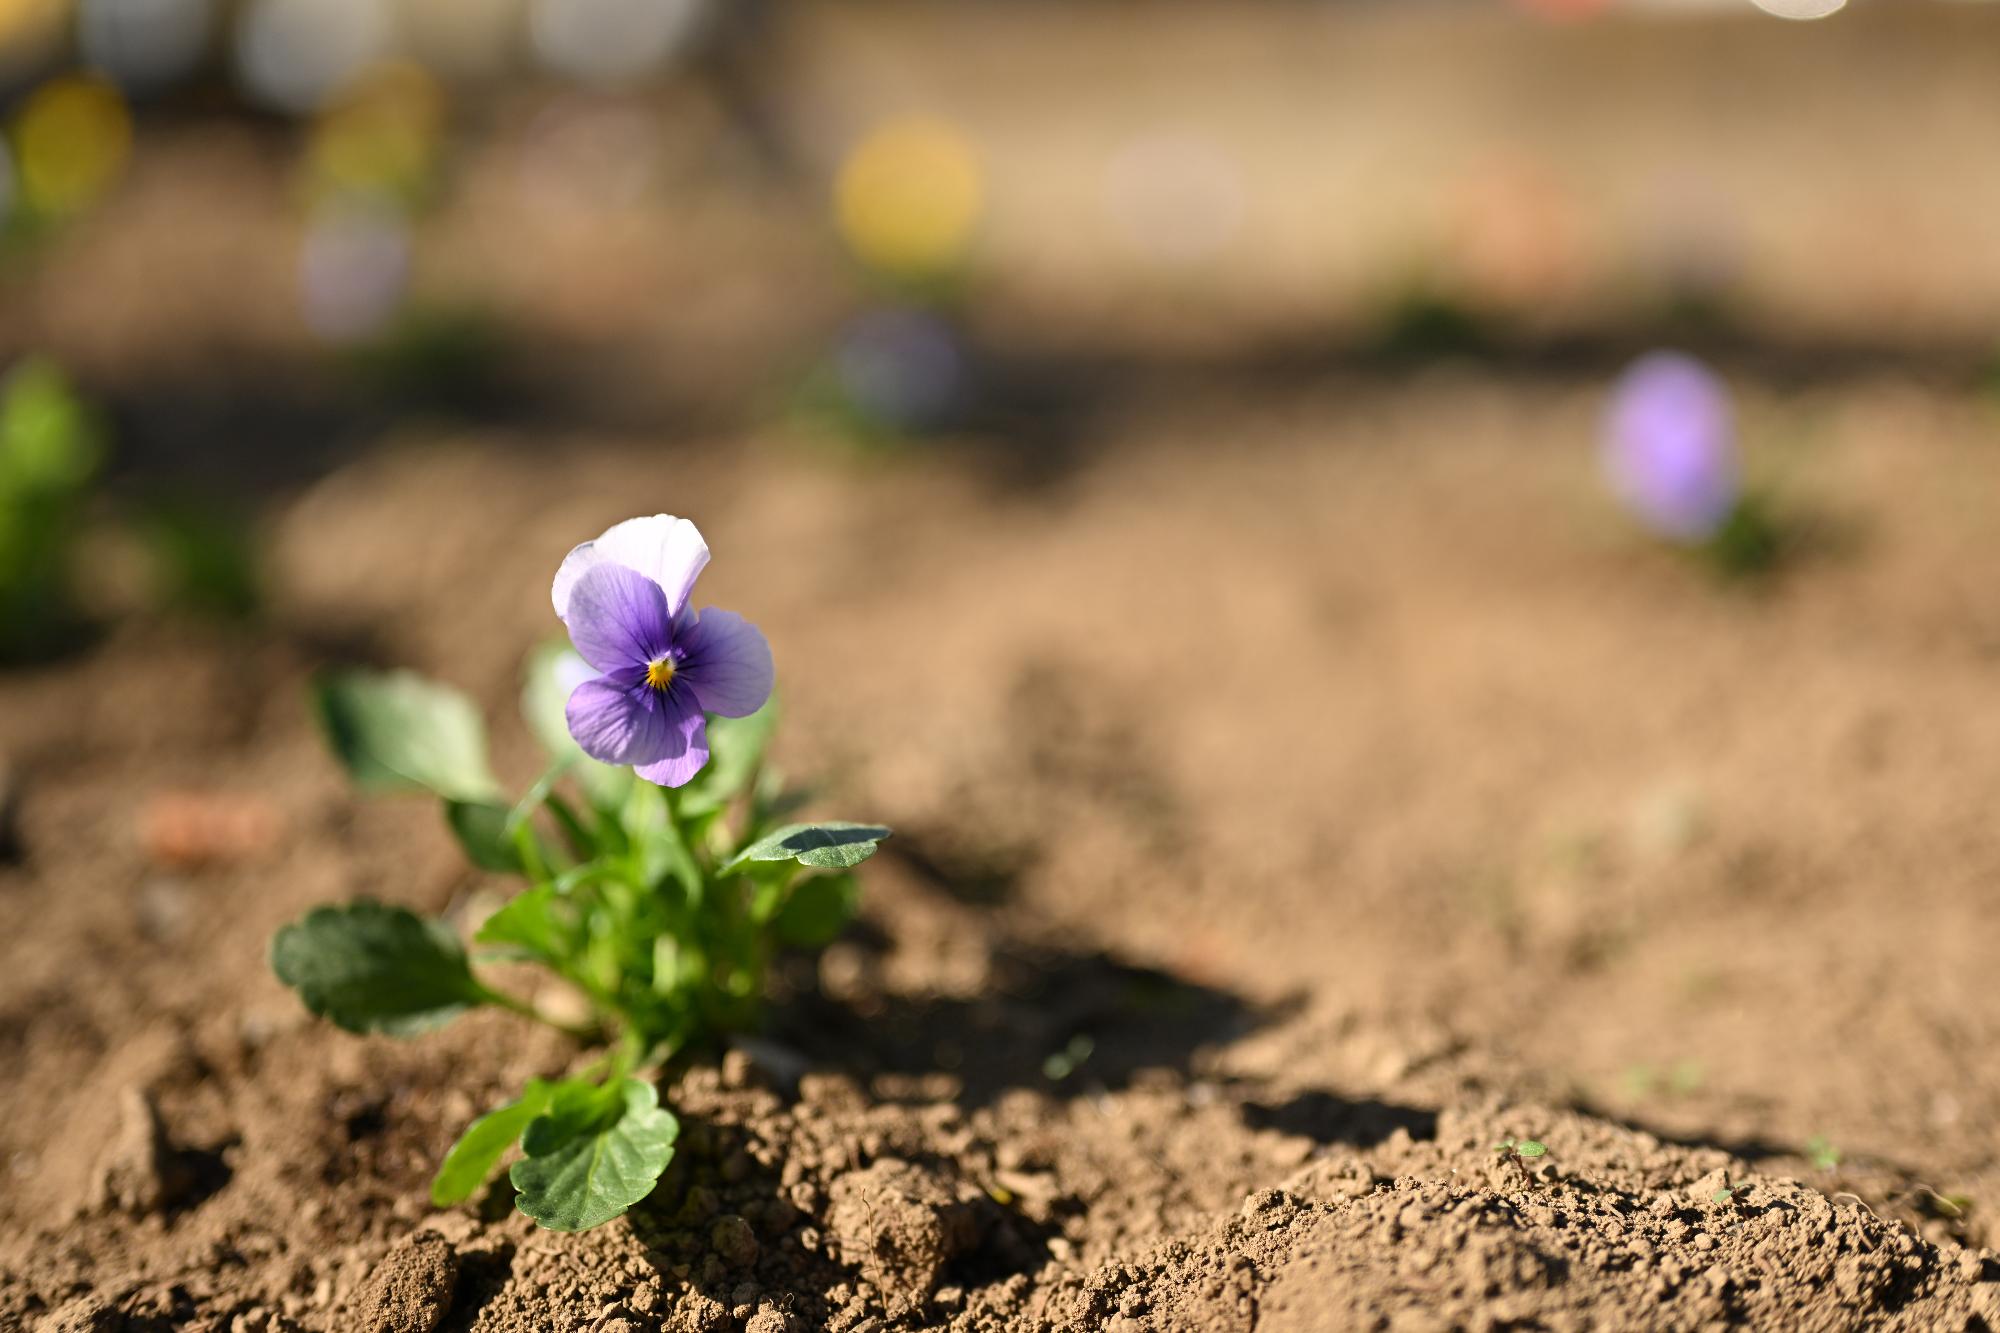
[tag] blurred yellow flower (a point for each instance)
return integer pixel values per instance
(380, 137)
(909, 196)
(71, 142)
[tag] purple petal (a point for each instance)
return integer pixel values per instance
(665, 549)
(620, 721)
(727, 663)
(1670, 445)
(688, 731)
(618, 618)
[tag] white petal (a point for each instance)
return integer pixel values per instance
(667, 550)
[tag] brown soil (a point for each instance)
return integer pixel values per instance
(1302, 778)
(1338, 788)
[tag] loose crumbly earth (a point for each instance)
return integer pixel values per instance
(1290, 805)
(1302, 781)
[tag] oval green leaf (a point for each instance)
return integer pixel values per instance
(834, 845)
(582, 1172)
(473, 1157)
(370, 967)
(396, 731)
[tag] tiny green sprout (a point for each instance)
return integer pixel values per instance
(1061, 1064)
(1821, 1153)
(1519, 1152)
(1736, 1195)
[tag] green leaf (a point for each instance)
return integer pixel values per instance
(396, 731)
(735, 749)
(575, 1108)
(370, 967)
(48, 438)
(552, 672)
(832, 846)
(1530, 1148)
(816, 910)
(473, 1157)
(582, 1171)
(481, 830)
(529, 923)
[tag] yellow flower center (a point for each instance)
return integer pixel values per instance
(660, 674)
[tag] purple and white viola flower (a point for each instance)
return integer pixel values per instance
(626, 600)
(1670, 446)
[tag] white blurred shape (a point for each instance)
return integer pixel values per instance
(353, 270)
(295, 54)
(610, 41)
(1178, 198)
(143, 45)
(1800, 9)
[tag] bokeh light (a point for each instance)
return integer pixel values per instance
(143, 45)
(909, 197)
(1176, 198)
(296, 54)
(72, 141)
(1519, 238)
(381, 137)
(1800, 9)
(1669, 448)
(611, 41)
(354, 269)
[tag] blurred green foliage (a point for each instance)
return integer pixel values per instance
(203, 557)
(50, 452)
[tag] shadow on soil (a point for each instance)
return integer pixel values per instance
(1063, 1023)
(1326, 1117)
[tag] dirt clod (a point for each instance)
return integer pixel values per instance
(85, 1314)
(734, 1241)
(411, 1288)
(902, 1224)
(141, 1173)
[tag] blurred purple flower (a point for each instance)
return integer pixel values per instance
(625, 600)
(1669, 446)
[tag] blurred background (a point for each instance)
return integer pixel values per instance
(252, 230)
(1483, 516)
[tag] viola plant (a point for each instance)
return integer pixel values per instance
(660, 874)
(1670, 454)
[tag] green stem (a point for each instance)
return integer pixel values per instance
(679, 855)
(530, 848)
